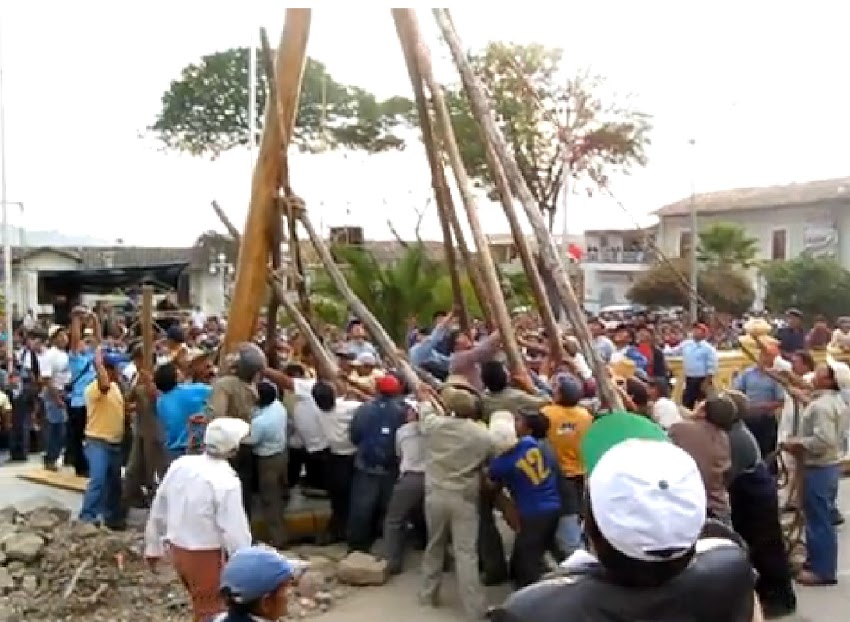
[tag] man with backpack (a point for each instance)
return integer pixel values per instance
(373, 433)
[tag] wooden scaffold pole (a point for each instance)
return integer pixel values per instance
(516, 362)
(484, 116)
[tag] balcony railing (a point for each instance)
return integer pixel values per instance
(613, 255)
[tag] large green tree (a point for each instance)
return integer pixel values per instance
(726, 289)
(727, 245)
(816, 286)
(205, 110)
(412, 286)
(553, 123)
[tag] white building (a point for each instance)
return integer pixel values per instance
(613, 260)
(37, 273)
(811, 217)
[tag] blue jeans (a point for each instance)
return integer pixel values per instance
(569, 534)
(821, 537)
(102, 498)
(54, 441)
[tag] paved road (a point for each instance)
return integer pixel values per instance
(825, 604)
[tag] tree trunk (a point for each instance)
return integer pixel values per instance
(500, 309)
(438, 179)
(360, 310)
(484, 116)
(250, 285)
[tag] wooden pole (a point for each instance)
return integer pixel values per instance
(297, 263)
(325, 365)
(360, 310)
(535, 280)
(255, 249)
(147, 328)
(484, 115)
(438, 178)
(491, 279)
(228, 224)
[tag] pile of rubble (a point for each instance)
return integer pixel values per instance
(55, 569)
(52, 568)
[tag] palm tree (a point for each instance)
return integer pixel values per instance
(412, 286)
(727, 245)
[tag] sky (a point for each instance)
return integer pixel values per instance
(755, 84)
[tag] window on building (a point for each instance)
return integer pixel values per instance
(684, 243)
(779, 245)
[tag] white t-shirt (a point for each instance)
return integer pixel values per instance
(306, 416)
(337, 426)
(53, 364)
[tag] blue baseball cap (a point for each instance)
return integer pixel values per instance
(570, 387)
(255, 571)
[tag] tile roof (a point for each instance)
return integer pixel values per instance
(805, 193)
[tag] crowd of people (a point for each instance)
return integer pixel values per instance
(658, 510)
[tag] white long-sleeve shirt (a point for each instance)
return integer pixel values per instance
(198, 506)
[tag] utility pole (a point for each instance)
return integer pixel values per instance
(7, 237)
(694, 293)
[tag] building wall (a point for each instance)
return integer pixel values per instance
(25, 276)
(606, 287)
(803, 225)
(207, 292)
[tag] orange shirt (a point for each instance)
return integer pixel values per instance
(567, 427)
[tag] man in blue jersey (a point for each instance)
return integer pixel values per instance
(530, 475)
(176, 404)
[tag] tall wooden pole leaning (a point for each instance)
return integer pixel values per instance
(484, 116)
(500, 309)
(255, 249)
(355, 304)
(296, 261)
(438, 178)
(544, 306)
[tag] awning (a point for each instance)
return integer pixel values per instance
(162, 277)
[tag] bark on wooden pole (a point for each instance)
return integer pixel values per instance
(484, 116)
(491, 279)
(254, 251)
(438, 179)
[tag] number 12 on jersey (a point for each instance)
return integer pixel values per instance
(533, 465)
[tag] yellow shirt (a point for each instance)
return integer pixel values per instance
(105, 413)
(567, 427)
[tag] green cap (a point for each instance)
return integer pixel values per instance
(614, 428)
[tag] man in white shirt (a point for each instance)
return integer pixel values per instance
(55, 375)
(197, 515)
(408, 495)
(335, 415)
(307, 421)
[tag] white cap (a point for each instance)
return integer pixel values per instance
(224, 434)
(648, 499)
(53, 330)
(502, 430)
(366, 358)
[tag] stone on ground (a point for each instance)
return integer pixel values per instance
(362, 569)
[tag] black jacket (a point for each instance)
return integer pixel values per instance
(716, 587)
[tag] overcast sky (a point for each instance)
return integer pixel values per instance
(757, 84)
